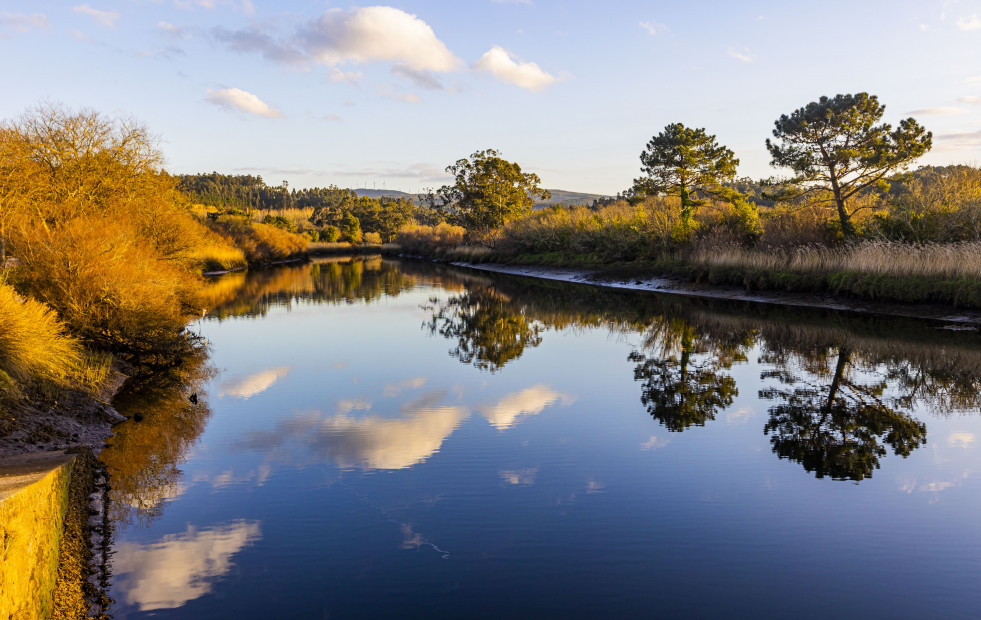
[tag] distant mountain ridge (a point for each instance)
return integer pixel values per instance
(559, 196)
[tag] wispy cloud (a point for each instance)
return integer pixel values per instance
(238, 99)
(970, 22)
(173, 31)
(352, 77)
(938, 111)
(970, 100)
(422, 79)
(742, 54)
(253, 40)
(387, 92)
(960, 140)
(22, 22)
(106, 18)
(653, 27)
(505, 67)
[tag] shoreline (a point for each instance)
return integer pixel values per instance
(952, 318)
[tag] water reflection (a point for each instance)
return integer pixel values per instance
(324, 280)
(831, 420)
(144, 455)
(490, 330)
(513, 407)
(180, 567)
(369, 442)
(681, 373)
(255, 383)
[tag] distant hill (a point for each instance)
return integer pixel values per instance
(389, 193)
(559, 196)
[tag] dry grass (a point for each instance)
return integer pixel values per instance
(425, 239)
(260, 243)
(874, 258)
(299, 218)
(36, 349)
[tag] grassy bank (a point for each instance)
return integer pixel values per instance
(879, 272)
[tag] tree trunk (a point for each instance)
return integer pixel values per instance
(844, 353)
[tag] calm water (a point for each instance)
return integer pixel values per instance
(374, 439)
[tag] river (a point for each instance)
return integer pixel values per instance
(365, 438)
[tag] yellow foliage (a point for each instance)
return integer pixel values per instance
(33, 344)
(100, 232)
(425, 238)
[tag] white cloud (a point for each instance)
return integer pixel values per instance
(248, 8)
(253, 384)
(530, 401)
(653, 27)
(241, 100)
(742, 54)
(376, 33)
(973, 100)
(181, 567)
(22, 22)
(938, 111)
(502, 65)
(971, 22)
(336, 75)
(106, 18)
(174, 31)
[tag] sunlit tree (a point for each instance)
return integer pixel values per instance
(837, 147)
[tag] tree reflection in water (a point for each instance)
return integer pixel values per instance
(831, 422)
(682, 380)
(490, 330)
(144, 455)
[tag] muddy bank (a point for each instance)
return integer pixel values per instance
(621, 280)
(71, 419)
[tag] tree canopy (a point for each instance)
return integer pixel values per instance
(488, 192)
(687, 163)
(835, 146)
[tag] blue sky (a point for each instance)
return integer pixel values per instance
(319, 93)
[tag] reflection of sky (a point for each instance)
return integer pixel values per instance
(367, 442)
(180, 567)
(506, 412)
(253, 384)
(366, 457)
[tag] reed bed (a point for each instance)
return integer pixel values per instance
(957, 260)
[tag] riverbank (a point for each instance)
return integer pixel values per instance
(635, 279)
(70, 420)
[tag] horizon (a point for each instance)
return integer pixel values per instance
(319, 94)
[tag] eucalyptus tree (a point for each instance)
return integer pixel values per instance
(488, 192)
(838, 147)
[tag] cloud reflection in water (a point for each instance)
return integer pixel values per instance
(369, 442)
(181, 567)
